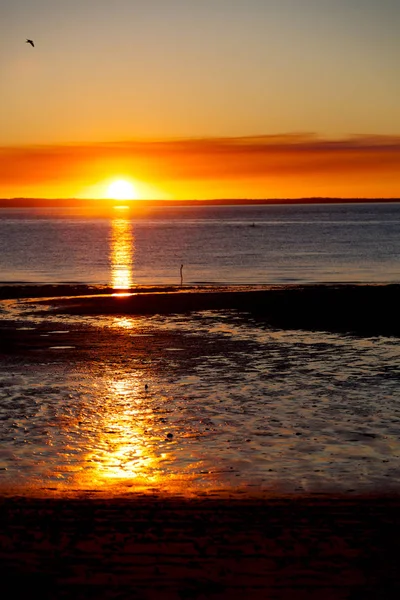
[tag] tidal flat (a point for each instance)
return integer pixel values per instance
(199, 449)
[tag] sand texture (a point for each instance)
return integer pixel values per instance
(154, 548)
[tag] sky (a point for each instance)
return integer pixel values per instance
(200, 98)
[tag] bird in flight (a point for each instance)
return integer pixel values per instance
(30, 42)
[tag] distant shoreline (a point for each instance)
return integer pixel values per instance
(76, 202)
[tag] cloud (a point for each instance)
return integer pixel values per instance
(286, 156)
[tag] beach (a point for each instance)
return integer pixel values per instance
(147, 492)
(334, 548)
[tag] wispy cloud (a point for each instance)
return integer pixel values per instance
(209, 158)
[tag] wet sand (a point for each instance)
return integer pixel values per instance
(220, 546)
(363, 309)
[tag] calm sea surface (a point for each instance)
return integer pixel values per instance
(222, 244)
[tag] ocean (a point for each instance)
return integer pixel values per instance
(215, 244)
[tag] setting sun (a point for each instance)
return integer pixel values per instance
(121, 189)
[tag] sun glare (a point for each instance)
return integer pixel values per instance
(121, 189)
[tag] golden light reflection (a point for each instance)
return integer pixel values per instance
(121, 254)
(124, 322)
(124, 449)
(124, 440)
(130, 452)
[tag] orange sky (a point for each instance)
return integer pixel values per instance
(247, 167)
(221, 84)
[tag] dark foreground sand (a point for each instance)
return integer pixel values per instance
(331, 548)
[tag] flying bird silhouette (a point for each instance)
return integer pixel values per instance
(30, 42)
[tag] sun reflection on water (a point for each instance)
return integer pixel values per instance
(123, 451)
(121, 254)
(124, 322)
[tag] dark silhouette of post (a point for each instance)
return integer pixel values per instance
(181, 275)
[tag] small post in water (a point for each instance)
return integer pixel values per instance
(181, 275)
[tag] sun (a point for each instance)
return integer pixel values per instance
(121, 189)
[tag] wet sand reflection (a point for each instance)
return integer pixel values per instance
(122, 451)
(245, 407)
(122, 444)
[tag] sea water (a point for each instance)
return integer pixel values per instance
(215, 244)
